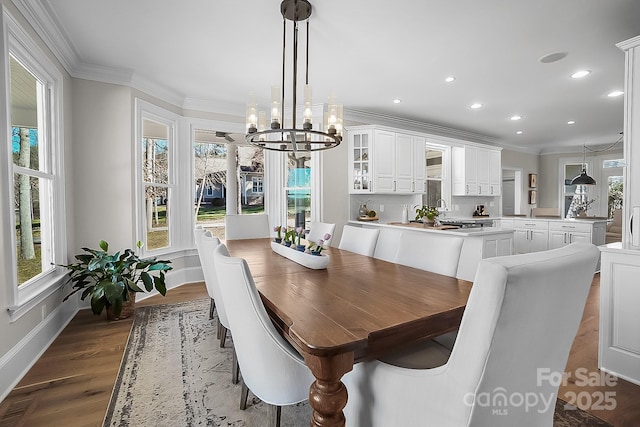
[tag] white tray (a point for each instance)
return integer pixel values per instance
(316, 262)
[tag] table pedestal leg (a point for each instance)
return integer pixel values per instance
(327, 394)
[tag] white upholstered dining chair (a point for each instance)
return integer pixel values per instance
(206, 244)
(198, 234)
(359, 240)
(269, 366)
(317, 231)
(430, 251)
(239, 227)
(516, 332)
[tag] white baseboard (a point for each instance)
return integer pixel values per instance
(16, 362)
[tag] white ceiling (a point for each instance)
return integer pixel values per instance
(368, 53)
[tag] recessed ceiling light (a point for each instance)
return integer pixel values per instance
(519, 132)
(397, 101)
(553, 57)
(571, 122)
(615, 93)
(580, 74)
(449, 79)
(476, 105)
(516, 117)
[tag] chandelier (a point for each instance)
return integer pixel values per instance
(278, 137)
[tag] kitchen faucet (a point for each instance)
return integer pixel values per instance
(441, 206)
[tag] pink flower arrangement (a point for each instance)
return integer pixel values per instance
(317, 247)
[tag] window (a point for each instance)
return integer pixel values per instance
(156, 207)
(298, 190)
(256, 184)
(434, 173)
(210, 173)
(34, 172)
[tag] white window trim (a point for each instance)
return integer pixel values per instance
(30, 294)
(146, 110)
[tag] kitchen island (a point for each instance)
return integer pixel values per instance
(479, 242)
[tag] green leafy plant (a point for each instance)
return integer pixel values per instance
(426, 212)
(110, 279)
(290, 235)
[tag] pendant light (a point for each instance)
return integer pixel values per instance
(583, 178)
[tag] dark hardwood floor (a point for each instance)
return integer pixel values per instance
(71, 383)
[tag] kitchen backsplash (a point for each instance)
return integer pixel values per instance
(392, 206)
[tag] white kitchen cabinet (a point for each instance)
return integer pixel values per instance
(495, 173)
(386, 161)
(399, 162)
(530, 235)
(384, 158)
(476, 171)
(565, 233)
(562, 233)
(404, 163)
(619, 341)
(419, 164)
(360, 144)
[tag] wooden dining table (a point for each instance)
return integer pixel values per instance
(359, 308)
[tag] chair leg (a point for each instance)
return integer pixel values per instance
(235, 369)
(212, 307)
(223, 337)
(274, 415)
(219, 331)
(244, 394)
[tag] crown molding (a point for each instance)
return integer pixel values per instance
(383, 119)
(41, 19)
(214, 106)
(629, 44)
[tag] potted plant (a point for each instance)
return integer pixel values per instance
(427, 214)
(289, 235)
(111, 281)
(316, 247)
(278, 229)
(299, 234)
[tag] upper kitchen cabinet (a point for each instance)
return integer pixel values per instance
(476, 171)
(359, 159)
(385, 161)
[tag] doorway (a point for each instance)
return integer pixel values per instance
(511, 191)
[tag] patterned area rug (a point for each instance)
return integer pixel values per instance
(174, 373)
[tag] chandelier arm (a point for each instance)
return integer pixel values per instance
(284, 57)
(307, 52)
(295, 74)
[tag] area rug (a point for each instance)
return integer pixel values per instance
(174, 373)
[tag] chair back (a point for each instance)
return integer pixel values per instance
(239, 227)
(516, 333)
(206, 244)
(270, 367)
(430, 251)
(359, 240)
(318, 231)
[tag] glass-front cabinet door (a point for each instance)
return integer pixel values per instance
(359, 159)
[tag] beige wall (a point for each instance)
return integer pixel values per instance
(102, 164)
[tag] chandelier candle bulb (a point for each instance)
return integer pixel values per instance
(252, 117)
(308, 114)
(275, 107)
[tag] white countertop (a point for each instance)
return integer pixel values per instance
(478, 231)
(618, 247)
(586, 219)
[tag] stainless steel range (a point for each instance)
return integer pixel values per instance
(468, 222)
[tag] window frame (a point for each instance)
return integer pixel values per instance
(25, 51)
(147, 111)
